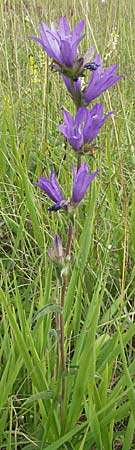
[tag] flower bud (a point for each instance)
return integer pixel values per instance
(56, 253)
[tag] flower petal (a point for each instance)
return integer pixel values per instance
(50, 187)
(64, 28)
(100, 81)
(68, 118)
(77, 30)
(82, 180)
(77, 85)
(56, 187)
(67, 52)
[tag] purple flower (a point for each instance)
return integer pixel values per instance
(82, 180)
(85, 127)
(77, 85)
(52, 189)
(62, 44)
(99, 82)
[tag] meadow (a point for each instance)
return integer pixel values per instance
(99, 407)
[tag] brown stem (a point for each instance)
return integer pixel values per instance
(63, 363)
(63, 291)
(78, 163)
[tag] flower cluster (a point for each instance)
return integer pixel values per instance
(82, 180)
(99, 82)
(85, 127)
(62, 47)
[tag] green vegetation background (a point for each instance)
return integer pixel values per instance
(100, 299)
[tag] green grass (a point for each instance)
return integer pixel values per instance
(99, 410)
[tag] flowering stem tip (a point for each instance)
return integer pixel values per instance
(82, 180)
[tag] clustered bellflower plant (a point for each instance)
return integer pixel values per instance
(61, 45)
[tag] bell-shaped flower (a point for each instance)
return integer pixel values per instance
(85, 127)
(82, 180)
(52, 189)
(61, 45)
(101, 80)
